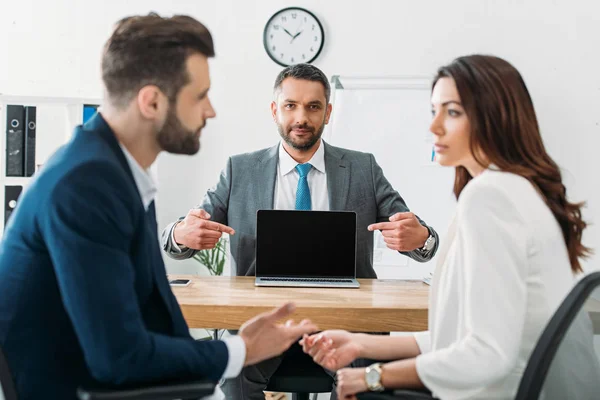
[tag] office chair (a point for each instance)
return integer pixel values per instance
(397, 395)
(564, 363)
(156, 391)
(299, 375)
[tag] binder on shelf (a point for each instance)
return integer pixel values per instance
(30, 132)
(11, 195)
(15, 140)
(88, 111)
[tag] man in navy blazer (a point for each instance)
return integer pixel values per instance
(84, 296)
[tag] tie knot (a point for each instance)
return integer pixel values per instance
(303, 169)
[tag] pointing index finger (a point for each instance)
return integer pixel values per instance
(215, 226)
(380, 226)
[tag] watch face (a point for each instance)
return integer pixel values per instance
(293, 35)
(372, 377)
(429, 243)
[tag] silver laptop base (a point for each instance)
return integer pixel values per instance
(308, 282)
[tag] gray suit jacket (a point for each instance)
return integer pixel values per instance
(355, 182)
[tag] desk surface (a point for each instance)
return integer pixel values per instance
(380, 305)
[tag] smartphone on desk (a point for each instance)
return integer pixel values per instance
(179, 282)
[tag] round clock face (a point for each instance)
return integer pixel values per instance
(293, 35)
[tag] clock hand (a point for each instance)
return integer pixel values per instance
(298, 31)
(295, 36)
(286, 31)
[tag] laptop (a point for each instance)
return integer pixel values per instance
(306, 248)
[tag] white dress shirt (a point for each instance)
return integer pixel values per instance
(286, 182)
(147, 188)
(502, 272)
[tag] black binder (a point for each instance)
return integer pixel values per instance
(30, 140)
(88, 111)
(11, 195)
(15, 121)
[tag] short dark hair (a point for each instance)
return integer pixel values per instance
(151, 50)
(303, 71)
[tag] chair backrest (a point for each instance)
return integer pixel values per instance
(564, 363)
(7, 387)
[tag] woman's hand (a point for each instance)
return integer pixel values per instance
(350, 381)
(332, 349)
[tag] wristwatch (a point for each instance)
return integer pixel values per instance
(429, 243)
(373, 377)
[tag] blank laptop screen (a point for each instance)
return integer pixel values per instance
(319, 244)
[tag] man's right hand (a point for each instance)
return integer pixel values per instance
(198, 232)
(266, 338)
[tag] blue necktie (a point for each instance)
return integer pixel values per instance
(303, 192)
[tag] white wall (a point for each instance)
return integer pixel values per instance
(53, 49)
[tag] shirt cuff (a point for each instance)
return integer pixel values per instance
(174, 247)
(423, 340)
(237, 355)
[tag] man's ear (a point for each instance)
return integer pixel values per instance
(150, 101)
(274, 110)
(328, 113)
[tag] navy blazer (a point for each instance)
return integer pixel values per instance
(84, 296)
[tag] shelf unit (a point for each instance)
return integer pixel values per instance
(55, 120)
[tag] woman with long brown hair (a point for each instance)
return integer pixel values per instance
(509, 258)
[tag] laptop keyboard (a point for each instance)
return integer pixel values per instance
(307, 280)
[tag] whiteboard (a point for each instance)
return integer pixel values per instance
(389, 117)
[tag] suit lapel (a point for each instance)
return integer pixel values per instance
(266, 167)
(338, 182)
(177, 324)
(159, 272)
(97, 125)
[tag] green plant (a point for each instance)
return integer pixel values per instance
(213, 259)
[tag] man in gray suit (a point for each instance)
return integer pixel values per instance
(280, 178)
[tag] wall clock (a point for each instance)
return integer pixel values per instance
(293, 35)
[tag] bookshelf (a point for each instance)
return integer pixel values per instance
(55, 119)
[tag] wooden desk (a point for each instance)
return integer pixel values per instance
(378, 306)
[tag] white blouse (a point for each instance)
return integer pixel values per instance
(502, 272)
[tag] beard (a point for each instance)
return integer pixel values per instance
(175, 138)
(302, 144)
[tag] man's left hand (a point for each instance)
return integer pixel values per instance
(404, 232)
